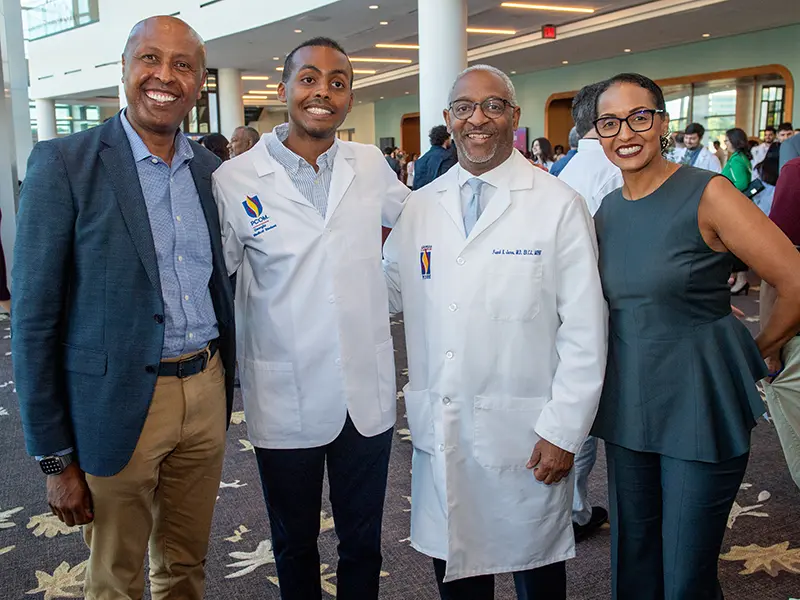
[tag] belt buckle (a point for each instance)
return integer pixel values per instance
(179, 370)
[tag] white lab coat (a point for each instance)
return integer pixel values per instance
(313, 337)
(506, 343)
(705, 160)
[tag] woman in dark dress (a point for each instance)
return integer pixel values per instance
(679, 398)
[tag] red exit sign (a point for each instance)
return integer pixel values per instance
(549, 32)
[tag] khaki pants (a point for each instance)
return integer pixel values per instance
(165, 496)
(783, 399)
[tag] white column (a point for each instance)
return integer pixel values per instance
(442, 56)
(231, 105)
(123, 100)
(46, 118)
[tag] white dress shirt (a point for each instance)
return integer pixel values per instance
(591, 174)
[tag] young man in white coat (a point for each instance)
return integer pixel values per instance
(494, 265)
(301, 216)
(696, 154)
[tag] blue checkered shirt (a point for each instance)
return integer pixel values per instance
(182, 242)
(315, 186)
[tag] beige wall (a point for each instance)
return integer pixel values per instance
(268, 120)
(362, 120)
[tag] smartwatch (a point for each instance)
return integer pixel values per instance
(55, 465)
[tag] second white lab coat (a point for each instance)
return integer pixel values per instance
(312, 322)
(506, 337)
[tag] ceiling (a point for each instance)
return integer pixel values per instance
(358, 29)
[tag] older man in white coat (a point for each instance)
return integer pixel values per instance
(495, 268)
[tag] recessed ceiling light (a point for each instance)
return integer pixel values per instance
(706, 35)
(491, 31)
(276, 58)
(364, 71)
(402, 61)
(564, 62)
(255, 78)
(627, 49)
(359, 101)
(384, 22)
(572, 9)
(513, 72)
(381, 98)
(399, 46)
(298, 31)
(407, 93)
(374, 7)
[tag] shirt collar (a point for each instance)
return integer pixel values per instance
(497, 177)
(183, 149)
(291, 161)
(589, 144)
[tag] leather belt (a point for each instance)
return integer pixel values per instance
(191, 365)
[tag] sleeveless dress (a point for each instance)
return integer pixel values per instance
(681, 371)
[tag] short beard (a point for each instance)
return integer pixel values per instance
(477, 160)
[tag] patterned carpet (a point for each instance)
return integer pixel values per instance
(41, 558)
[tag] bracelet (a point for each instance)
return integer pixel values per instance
(775, 374)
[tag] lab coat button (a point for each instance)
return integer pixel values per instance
(446, 401)
(332, 299)
(441, 447)
(453, 308)
(449, 354)
(338, 361)
(460, 260)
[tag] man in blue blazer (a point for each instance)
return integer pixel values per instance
(123, 326)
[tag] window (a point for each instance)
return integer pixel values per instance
(771, 107)
(204, 116)
(714, 107)
(42, 18)
(678, 99)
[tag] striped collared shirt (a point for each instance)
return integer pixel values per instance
(182, 243)
(315, 186)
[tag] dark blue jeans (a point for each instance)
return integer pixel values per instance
(292, 483)
(544, 583)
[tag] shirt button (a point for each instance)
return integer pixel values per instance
(453, 308)
(441, 447)
(449, 354)
(191, 335)
(460, 260)
(158, 319)
(154, 161)
(186, 298)
(446, 401)
(332, 299)
(178, 218)
(180, 259)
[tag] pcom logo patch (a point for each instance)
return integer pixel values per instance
(253, 207)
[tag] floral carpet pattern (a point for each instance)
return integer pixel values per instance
(43, 559)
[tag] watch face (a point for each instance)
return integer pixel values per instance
(52, 465)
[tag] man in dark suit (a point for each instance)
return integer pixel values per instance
(123, 326)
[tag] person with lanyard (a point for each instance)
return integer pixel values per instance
(696, 155)
(301, 215)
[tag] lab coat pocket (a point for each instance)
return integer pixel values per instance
(420, 419)
(387, 382)
(504, 434)
(514, 291)
(271, 401)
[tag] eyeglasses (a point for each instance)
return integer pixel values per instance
(491, 107)
(639, 122)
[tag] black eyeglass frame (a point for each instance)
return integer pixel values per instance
(506, 105)
(651, 111)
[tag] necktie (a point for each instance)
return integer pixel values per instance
(473, 212)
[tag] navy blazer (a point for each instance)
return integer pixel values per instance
(87, 314)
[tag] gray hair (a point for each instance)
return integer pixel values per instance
(512, 94)
(584, 109)
(574, 138)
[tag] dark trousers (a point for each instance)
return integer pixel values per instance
(668, 518)
(292, 482)
(544, 583)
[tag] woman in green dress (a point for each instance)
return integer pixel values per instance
(738, 168)
(679, 398)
